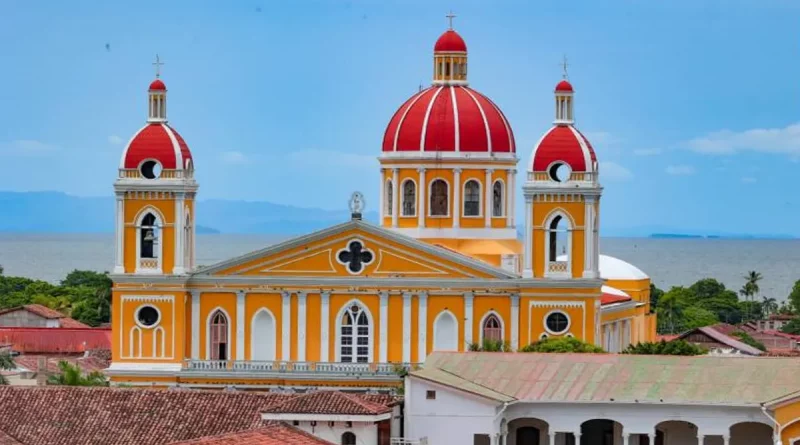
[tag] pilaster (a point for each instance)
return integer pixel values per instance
(422, 327)
(119, 263)
(240, 323)
(468, 308)
(510, 196)
(382, 198)
(514, 322)
(301, 326)
(196, 325)
(487, 199)
(384, 327)
(286, 326)
(325, 303)
(527, 271)
(178, 268)
(406, 327)
(395, 194)
(421, 207)
(456, 198)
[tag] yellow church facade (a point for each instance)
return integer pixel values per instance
(444, 269)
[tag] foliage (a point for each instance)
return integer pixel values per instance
(769, 306)
(675, 347)
(794, 297)
(745, 338)
(71, 375)
(655, 294)
(490, 346)
(6, 362)
(83, 295)
(793, 327)
(561, 344)
(696, 317)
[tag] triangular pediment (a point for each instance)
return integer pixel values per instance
(355, 249)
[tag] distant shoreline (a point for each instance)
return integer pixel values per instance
(728, 237)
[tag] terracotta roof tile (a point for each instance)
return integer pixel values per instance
(328, 402)
(5, 439)
(43, 311)
(276, 434)
(55, 340)
(120, 416)
(71, 323)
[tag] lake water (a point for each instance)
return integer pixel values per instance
(668, 261)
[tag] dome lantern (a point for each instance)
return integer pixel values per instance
(157, 97)
(564, 101)
(450, 57)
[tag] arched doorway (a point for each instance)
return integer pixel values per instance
(527, 435)
(527, 431)
(676, 431)
(750, 433)
(601, 432)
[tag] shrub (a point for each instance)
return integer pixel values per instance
(561, 345)
(675, 347)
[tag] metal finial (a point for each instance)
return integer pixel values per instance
(564, 66)
(450, 16)
(158, 64)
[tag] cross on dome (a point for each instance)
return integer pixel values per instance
(450, 16)
(158, 64)
(564, 66)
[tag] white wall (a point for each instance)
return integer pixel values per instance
(366, 432)
(453, 418)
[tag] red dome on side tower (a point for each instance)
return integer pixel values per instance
(564, 86)
(158, 85)
(450, 41)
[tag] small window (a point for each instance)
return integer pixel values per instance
(389, 197)
(557, 322)
(430, 395)
(439, 205)
(497, 199)
(150, 169)
(481, 439)
(472, 198)
(147, 316)
(492, 330)
(296, 422)
(409, 198)
(348, 438)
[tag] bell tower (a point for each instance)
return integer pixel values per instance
(562, 200)
(155, 193)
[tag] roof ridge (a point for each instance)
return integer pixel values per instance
(476, 383)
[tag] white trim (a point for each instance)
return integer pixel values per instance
(178, 267)
(469, 300)
(382, 196)
(119, 266)
(587, 155)
(370, 320)
(464, 199)
(163, 367)
(430, 195)
(325, 302)
(196, 325)
(273, 335)
(208, 332)
(425, 120)
(432, 156)
(163, 342)
(487, 198)
(240, 308)
(556, 212)
(403, 117)
(500, 233)
(455, 120)
(514, 321)
(301, 326)
(456, 198)
(395, 196)
(403, 198)
(422, 326)
(286, 326)
(138, 331)
(175, 145)
(444, 312)
(557, 304)
(485, 121)
(383, 334)
(122, 333)
(406, 327)
(512, 145)
(136, 316)
(421, 205)
(503, 199)
(128, 146)
(502, 325)
(556, 311)
(326, 417)
(536, 147)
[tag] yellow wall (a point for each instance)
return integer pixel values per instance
(542, 211)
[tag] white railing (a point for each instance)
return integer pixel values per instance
(557, 266)
(234, 366)
(404, 441)
(148, 263)
(128, 173)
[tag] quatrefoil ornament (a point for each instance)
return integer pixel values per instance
(355, 256)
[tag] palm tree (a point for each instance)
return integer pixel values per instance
(6, 362)
(71, 375)
(750, 289)
(669, 309)
(770, 305)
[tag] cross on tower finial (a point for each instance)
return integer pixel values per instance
(564, 66)
(158, 64)
(450, 16)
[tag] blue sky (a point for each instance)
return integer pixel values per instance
(692, 105)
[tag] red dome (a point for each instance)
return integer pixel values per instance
(449, 119)
(450, 41)
(158, 85)
(566, 144)
(564, 86)
(159, 142)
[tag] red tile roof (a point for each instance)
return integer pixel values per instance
(5, 439)
(329, 402)
(46, 312)
(611, 299)
(276, 434)
(86, 364)
(55, 340)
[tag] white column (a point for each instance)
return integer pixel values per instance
(286, 326)
(178, 268)
(625, 438)
(487, 199)
(384, 327)
(468, 297)
(421, 207)
(510, 195)
(239, 325)
(553, 437)
(381, 199)
(527, 271)
(456, 197)
(726, 440)
(422, 327)
(325, 298)
(590, 256)
(119, 264)
(514, 322)
(196, 325)
(301, 326)
(395, 194)
(652, 437)
(406, 327)
(701, 439)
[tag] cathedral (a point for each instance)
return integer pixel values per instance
(358, 304)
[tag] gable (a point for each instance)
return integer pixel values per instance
(355, 249)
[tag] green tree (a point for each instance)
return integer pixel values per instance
(697, 317)
(562, 344)
(490, 346)
(745, 338)
(725, 305)
(751, 279)
(752, 310)
(7, 363)
(792, 327)
(670, 309)
(1, 269)
(706, 289)
(71, 375)
(87, 278)
(675, 347)
(770, 305)
(655, 294)
(749, 290)
(794, 297)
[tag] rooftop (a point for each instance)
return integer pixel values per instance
(278, 433)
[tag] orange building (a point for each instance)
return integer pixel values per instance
(354, 304)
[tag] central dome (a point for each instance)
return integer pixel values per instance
(449, 118)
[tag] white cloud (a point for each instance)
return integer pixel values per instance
(680, 170)
(614, 172)
(233, 157)
(115, 140)
(647, 151)
(770, 140)
(27, 147)
(749, 180)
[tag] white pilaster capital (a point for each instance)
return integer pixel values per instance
(489, 171)
(325, 295)
(514, 300)
(286, 294)
(407, 296)
(421, 169)
(241, 293)
(457, 170)
(468, 296)
(512, 171)
(195, 293)
(301, 296)
(384, 297)
(395, 170)
(383, 170)
(423, 296)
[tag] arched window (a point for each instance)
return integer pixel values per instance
(409, 198)
(219, 336)
(492, 329)
(389, 197)
(558, 237)
(148, 237)
(445, 332)
(354, 335)
(497, 199)
(472, 198)
(262, 332)
(348, 438)
(439, 199)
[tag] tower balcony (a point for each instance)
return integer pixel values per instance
(283, 369)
